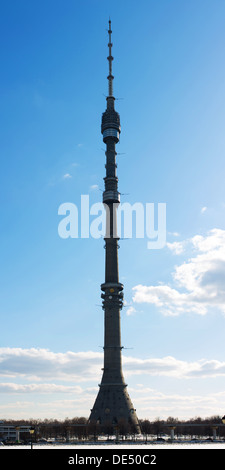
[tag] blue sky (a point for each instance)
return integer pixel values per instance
(169, 78)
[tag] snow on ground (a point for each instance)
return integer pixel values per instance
(152, 446)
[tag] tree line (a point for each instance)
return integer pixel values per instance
(79, 428)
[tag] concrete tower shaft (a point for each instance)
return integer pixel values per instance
(113, 403)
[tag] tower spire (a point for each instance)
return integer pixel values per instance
(110, 59)
(113, 404)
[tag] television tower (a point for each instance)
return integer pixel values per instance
(113, 404)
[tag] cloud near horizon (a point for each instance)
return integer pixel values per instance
(41, 383)
(198, 283)
(77, 367)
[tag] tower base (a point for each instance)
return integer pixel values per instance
(113, 407)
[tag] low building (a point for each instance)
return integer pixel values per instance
(12, 432)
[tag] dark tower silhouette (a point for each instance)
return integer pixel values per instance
(113, 404)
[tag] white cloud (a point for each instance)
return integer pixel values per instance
(203, 209)
(199, 282)
(40, 364)
(36, 364)
(9, 387)
(94, 187)
(174, 234)
(47, 407)
(171, 367)
(176, 247)
(153, 403)
(67, 176)
(131, 310)
(40, 376)
(150, 403)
